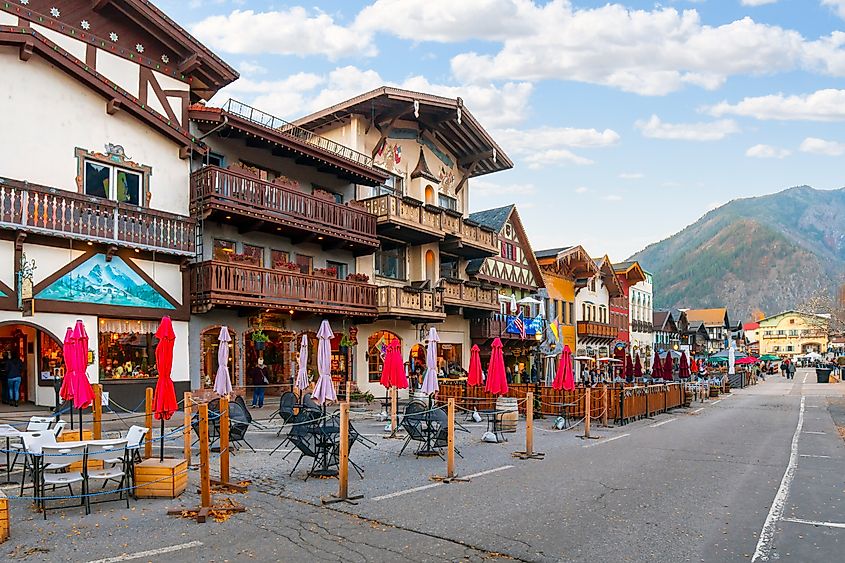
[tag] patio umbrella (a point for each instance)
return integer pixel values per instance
(302, 381)
(565, 378)
(222, 381)
(746, 361)
(79, 388)
(693, 365)
(65, 393)
(667, 367)
(164, 402)
(731, 361)
(656, 366)
(638, 366)
(683, 366)
(324, 390)
(430, 384)
(393, 370)
(497, 382)
(769, 358)
(474, 375)
(629, 369)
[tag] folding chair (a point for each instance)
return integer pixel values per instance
(107, 452)
(59, 456)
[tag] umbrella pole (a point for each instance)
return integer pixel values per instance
(80, 424)
(161, 439)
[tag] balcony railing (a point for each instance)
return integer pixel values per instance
(501, 326)
(272, 122)
(242, 194)
(51, 211)
(410, 303)
(596, 329)
(470, 295)
(221, 283)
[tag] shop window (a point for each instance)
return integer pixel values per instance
(305, 263)
(280, 354)
(279, 258)
(51, 364)
(508, 251)
(112, 176)
(449, 357)
(340, 269)
(253, 255)
(391, 263)
(127, 349)
(209, 347)
(223, 250)
(376, 350)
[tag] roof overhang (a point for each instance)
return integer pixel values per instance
(444, 119)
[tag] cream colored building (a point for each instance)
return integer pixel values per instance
(793, 333)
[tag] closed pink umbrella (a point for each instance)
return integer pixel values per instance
(497, 382)
(393, 370)
(164, 401)
(324, 390)
(80, 388)
(302, 383)
(70, 362)
(683, 366)
(222, 380)
(430, 384)
(474, 375)
(565, 377)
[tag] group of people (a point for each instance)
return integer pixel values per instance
(787, 368)
(11, 373)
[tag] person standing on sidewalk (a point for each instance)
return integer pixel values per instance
(14, 372)
(4, 379)
(259, 376)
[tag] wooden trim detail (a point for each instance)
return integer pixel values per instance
(113, 106)
(26, 50)
(91, 56)
(147, 77)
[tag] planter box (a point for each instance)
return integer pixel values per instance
(161, 479)
(4, 517)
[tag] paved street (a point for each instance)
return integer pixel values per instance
(700, 484)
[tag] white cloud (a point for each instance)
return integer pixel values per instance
(612, 198)
(822, 105)
(251, 67)
(553, 157)
(767, 151)
(582, 189)
(485, 188)
(543, 146)
(631, 175)
(838, 6)
(649, 52)
(295, 31)
(654, 128)
(757, 2)
(820, 146)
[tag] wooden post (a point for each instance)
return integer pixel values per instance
(148, 420)
(348, 391)
(224, 440)
(98, 411)
(394, 392)
(343, 464)
(205, 479)
(450, 448)
(587, 413)
(188, 408)
(529, 423)
(604, 405)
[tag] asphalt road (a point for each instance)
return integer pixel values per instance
(755, 476)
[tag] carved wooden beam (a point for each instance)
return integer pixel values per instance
(113, 106)
(26, 50)
(110, 252)
(20, 238)
(467, 173)
(477, 157)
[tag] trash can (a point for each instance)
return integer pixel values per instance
(823, 375)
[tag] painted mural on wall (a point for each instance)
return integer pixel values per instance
(105, 283)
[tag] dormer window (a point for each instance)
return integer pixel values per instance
(447, 202)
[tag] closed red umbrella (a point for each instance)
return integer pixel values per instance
(629, 368)
(656, 366)
(393, 370)
(693, 365)
(79, 388)
(683, 366)
(497, 382)
(70, 365)
(565, 377)
(668, 367)
(638, 366)
(474, 375)
(164, 402)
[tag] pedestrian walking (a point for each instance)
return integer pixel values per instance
(259, 376)
(790, 368)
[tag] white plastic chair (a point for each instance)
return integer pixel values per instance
(107, 451)
(55, 456)
(33, 443)
(59, 428)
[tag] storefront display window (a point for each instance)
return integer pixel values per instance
(223, 250)
(51, 365)
(449, 357)
(280, 355)
(210, 345)
(376, 349)
(127, 349)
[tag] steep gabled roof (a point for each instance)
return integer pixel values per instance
(632, 271)
(710, 317)
(493, 218)
(496, 219)
(455, 127)
(611, 282)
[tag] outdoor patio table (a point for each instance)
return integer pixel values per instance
(327, 446)
(8, 431)
(494, 423)
(430, 428)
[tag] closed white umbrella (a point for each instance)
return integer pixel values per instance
(302, 381)
(222, 380)
(324, 390)
(430, 384)
(731, 360)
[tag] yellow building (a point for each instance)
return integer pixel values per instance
(792, 333)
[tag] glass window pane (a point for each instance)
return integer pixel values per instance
(97, 179)
(340, 267)
(128, 185)
(391, 263)
(223, 250)
(280, 258)
(305, 263)
(253, 255)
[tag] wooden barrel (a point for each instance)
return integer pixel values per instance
(511, 408)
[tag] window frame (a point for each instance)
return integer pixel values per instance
(114, 163)
(402, 261)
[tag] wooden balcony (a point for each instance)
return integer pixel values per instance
(410, 303)
(252, 204)
(216, 284)
(593, 329)
(497, 327)
(53, 212)
(471, 297)
(407, 220)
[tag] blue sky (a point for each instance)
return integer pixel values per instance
(626, 120)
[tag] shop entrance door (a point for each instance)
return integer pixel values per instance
(41, 354)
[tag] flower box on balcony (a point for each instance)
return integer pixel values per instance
(323, 194)
(357, 204)
(362, 278)
(289, 266)
(326, 272)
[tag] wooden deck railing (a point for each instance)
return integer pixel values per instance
(51, 211)
(222, 283)
(472, 295)
(593, 328)
(242, 193)
(410, 302)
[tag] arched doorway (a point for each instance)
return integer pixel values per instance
(429, 195)
(279, 353)
(209, 348)
(376, 350)
(430, 270)
(41, 353)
